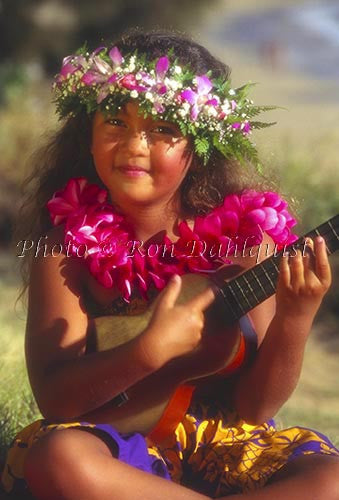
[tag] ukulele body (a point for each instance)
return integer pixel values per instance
(173, 383)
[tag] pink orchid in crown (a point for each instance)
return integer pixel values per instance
(201, 97)
(99, 70)
(157, 85)
(245, 127)
(70, 65)
(130, 82)
(159, 88)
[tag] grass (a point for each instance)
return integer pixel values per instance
(315, 402)
(17, 404)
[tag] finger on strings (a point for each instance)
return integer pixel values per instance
(322, 266)
(308, 259)
(297, 270)
(284, 271)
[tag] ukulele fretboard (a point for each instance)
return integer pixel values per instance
(255, 285)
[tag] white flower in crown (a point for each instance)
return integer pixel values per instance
(226, 106)
(182, 113)
(210, 111)
(172, 84)
(149, 96)
(186, 106)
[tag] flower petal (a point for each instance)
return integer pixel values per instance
(204, 84)
(102, 66)
(189, 96)
(92, 77)
(116, 56)
(194, 111)
(158, 107)
(246, 128)
(113, 78)
(236, 125)
(256, 216)
(97, 51)
(67, 69)
(212, 102)
(161, 67)
(271, 218)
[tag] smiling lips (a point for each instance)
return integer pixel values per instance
(133, 170)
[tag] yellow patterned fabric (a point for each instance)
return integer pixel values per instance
(216, 453)
(13, 477)
(211, 451)
(132, 449)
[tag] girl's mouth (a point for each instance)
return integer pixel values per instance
(132, 170)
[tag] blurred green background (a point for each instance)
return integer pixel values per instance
(289, 47)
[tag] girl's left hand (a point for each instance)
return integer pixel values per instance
(303, 280)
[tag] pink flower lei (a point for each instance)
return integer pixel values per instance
(115, 258)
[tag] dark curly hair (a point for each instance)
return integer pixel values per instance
(67, 153)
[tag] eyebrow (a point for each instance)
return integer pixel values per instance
(155, 119)
(166, 122)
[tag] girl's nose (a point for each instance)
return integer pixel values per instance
(136, 143)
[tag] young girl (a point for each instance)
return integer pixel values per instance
(153, 158)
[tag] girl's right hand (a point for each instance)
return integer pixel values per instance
(174, 329)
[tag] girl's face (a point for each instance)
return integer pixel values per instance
(141, 161)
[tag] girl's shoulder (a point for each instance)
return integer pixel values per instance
(52, 262)
(74, 265)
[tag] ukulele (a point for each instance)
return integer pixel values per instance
(155, 405)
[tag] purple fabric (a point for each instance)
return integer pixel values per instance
(132, 450)
(311, 446)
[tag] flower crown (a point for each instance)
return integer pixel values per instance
(211, 111)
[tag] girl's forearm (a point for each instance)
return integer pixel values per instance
(272, 377)
(78, 386)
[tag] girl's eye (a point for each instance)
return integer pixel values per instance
(116, 122)
(164, 129)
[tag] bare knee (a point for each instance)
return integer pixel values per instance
(57, 460)
(320, 473)
(327, 474)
